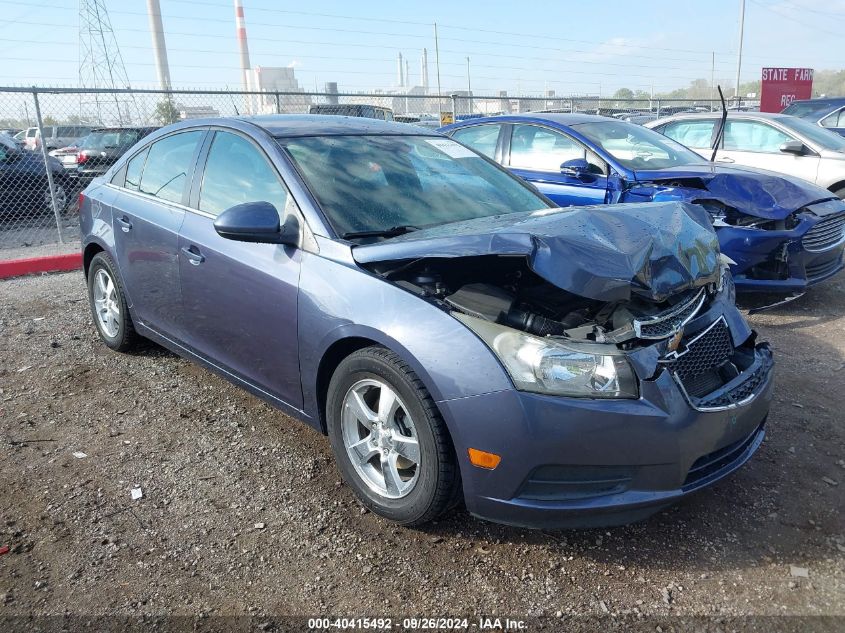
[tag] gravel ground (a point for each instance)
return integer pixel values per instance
(243, 511)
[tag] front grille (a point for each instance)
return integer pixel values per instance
(741, 392)
(820, 270)
(826, 234)
(697, 368)
(666, 324)
(570, 483)
(717, 460)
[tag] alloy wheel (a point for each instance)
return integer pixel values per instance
(106, 303)
(380, 438)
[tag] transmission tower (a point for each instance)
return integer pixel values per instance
(101, 67)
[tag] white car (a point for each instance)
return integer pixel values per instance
(775, 142)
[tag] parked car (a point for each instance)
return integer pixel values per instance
(103, 146)
(784, 234)
(10, 131)
(827, 113)
(24, 186)
(452, 332)
(353, 109)
(55, 136)
(777, 142)
(68, 156)
(20, 139)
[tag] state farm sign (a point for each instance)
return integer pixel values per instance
(782, 86)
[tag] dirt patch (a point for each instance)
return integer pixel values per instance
(243, 511)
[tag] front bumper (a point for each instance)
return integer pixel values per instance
(586, 463)
(778, 260)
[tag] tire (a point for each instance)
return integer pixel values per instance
(108, 305)
(425, 489)
(62, 197)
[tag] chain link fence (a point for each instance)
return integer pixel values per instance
(53, 142)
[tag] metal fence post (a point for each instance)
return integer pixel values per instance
(658, 109)
(278, 103)
(49, 171)
(454, 107)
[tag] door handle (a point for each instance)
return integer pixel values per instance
(725, 159)
(125, 224)
(194, 256)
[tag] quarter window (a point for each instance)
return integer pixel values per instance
(698, 134)
(237, 172)
(753, 136)
(482, 138)
(837, 119)
(168, 165)
(134, 169)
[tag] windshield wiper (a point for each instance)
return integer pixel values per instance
(393, 231)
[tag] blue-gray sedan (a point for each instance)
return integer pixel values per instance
(455, 335)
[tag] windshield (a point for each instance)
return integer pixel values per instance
(636, 147)
(808, 109)
(109, 139)
(376, 183)
(826, 139)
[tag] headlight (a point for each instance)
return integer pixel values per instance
(545, 365)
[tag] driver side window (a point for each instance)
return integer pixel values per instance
(237, 172)
(541, 149)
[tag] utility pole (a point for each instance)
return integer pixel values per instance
(437, 63)
(739, 50)
(469, 88)
(712, 77)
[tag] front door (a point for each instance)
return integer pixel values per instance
(239, 298)
(757, 144)
(147, 213)
(536, 153)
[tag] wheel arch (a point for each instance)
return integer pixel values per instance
(88, 254)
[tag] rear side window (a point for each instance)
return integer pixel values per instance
(237, 172)
(169, 162)
(696, 134)
(481, 138)
(753, 136)
(837, 119)
(134, 169)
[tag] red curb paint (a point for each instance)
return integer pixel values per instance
(53, 263)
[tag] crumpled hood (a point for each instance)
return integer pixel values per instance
(756, 192)
(606, 253)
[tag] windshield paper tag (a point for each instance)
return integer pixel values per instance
(451, 148)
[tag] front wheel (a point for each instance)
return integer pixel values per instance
(389, 440)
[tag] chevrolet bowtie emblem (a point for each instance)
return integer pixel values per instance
(675, 341)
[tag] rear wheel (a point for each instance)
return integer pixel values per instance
(390, 442)
(108, 305)
(61, 197)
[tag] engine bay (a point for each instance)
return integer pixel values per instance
(504, 290)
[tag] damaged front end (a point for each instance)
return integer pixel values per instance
(782, 235)
(592, 302)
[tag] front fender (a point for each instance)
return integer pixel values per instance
(339, 300)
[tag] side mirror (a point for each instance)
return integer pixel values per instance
(577, 167)
(793, 147)
(256, 222)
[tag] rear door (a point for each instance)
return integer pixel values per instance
(147, 214)
(536, 153)
(757, 144)
(240, 298)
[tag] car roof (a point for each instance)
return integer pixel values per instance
(561, 118)
(116, 128)
(822, 101)
(299, 125)
(732, 114)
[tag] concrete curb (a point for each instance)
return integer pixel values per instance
(49, 264)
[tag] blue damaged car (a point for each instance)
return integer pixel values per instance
(454, 334)
(783, 234)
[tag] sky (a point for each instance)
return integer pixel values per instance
(525, 47)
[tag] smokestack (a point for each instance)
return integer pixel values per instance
(400, 71)
(159, 45)
(424, 70)
(242, 46)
